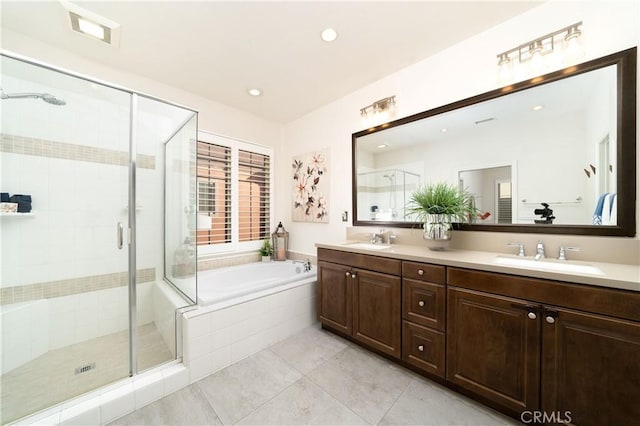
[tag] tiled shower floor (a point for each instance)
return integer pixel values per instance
(50, 378)
(317, 378)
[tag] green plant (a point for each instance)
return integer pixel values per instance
(266, 249)
(441, 198)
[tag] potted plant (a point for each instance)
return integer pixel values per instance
(266, 250)
(437, 205)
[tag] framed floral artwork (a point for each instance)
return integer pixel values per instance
(310, 178)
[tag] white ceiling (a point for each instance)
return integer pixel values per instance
(219, 49)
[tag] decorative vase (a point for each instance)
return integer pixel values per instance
(266, 258)
(437, 228)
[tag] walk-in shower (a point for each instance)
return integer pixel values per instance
(84, 298)
(383, 194)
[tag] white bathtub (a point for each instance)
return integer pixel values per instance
(250, 281)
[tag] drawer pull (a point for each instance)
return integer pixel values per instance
(353, 276)
(420, 272)
(550, 319)
(532, 315)
(421, 348)
(421, 303)
(348, 273)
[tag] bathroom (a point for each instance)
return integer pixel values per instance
(423, 83)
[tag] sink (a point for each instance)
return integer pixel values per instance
(549, 265)
(369, 246)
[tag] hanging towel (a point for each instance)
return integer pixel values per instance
(613, 210)
(606, 210)
(597, 213)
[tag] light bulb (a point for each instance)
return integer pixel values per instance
(573, 50)
(505, 70)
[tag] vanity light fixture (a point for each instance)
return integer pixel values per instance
(91, 24)
(379, 110)
(529, 55)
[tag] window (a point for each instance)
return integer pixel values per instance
(234, 189)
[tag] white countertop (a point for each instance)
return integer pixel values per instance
(611, 275)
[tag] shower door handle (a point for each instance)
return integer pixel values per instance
(120, 235)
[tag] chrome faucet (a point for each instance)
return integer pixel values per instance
(305, 264)
(539, 250)
(563, 252)
(378, 237)
(520, 248)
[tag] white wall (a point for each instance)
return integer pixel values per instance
(466, 69)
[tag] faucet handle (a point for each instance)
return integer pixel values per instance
(563, 255)
(520, 247)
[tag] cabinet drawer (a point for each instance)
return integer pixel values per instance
(423, 272)
(424, 303)
(363, 261)
(423, 348)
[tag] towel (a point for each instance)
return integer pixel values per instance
(613, 210)
(606, 210)
(597, 213)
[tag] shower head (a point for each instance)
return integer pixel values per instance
(48, 98)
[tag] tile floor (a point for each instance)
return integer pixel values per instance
(50, 378)
(316, 378)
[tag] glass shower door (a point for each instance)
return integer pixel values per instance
(64, 263)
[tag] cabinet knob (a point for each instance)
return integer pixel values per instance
(550, 319)
(421, 348)
(532, 315)
(421, 303)
(420, 272)
(348, 273)
(353, 275)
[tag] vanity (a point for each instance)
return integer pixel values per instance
(555, 342)
(544, 341)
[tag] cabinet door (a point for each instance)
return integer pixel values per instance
(334, 296)
(493, 348)
(591, 368)
(376, 311)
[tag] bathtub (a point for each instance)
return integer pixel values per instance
(252, 280)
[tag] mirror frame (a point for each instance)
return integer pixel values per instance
(625, 62)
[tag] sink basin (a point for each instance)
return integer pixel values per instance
(369, 246)
(549, 265)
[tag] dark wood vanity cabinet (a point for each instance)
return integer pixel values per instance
(423, 316)
(493, 348)
(359, 295)
(591, 367)
(529, 353)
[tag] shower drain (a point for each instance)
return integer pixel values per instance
(85, 368)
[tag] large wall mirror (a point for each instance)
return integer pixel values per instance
(555, 154)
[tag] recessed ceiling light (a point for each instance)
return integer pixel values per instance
(91, 24)
(329, 35)
(382, 145)
(255, 92)
(444, 130)
(537, 107)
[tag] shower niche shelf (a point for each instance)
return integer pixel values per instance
(30, 214)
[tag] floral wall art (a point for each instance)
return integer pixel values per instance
(310, 179)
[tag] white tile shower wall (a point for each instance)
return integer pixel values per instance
(214, 340)
(25, 333)
(33, 328)
(165, 302)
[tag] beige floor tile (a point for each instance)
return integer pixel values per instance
(430, 404)
(237, 390)
(309, 348)
(186, 407)
(303, 403)
(364, 382)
